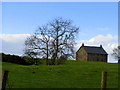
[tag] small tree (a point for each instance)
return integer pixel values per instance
(116, 53)
(37, 44)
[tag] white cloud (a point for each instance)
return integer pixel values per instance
(109, 47)
(102, 39)
(99, 39)
(12, 43)
(13, 37)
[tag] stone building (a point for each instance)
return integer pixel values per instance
(91, 53)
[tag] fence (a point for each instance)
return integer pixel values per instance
(5, 77)
(104, 80)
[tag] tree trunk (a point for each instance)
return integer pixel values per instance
(57, 44)
(47, 63)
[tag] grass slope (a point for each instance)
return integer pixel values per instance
(73, 74)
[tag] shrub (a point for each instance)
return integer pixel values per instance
(13, 59)
(20, 60)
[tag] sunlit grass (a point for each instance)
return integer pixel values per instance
(73, 74)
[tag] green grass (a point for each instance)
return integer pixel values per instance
(73, 74)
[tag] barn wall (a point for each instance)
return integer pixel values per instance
(97, 57)
(81, 55)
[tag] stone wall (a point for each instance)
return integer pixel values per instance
(81, 55)
(97, 57)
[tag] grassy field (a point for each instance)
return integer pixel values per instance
(73, 74)
(0, 74)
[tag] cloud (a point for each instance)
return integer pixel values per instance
(109, 47)
(99, 39)
(12, 43)
(13, 37)
(109, 41)
(103, 39)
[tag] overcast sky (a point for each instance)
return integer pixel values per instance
(98, 22)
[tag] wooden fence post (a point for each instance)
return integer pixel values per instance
(104, 80)
(4, 79)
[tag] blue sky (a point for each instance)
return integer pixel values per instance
(96, 20)
(26, 17)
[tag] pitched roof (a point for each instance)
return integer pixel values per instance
(96, 50)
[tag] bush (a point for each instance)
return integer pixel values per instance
(35, 61)
(60, 61)
(56, 62)
(20, 60)
(38, 61)
(28, 60)
(13, 59)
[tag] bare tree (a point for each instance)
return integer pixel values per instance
(116, 53)
(63, 35)
(30, 47)
(53, 40)
(37, 45)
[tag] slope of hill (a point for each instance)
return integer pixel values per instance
(73, 74)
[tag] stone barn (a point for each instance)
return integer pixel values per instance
(91, 53)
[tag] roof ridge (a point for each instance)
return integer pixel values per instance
(91, 46)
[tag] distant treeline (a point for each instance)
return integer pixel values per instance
(19, 60)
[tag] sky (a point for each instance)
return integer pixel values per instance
(60, 0)
(98, 23)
